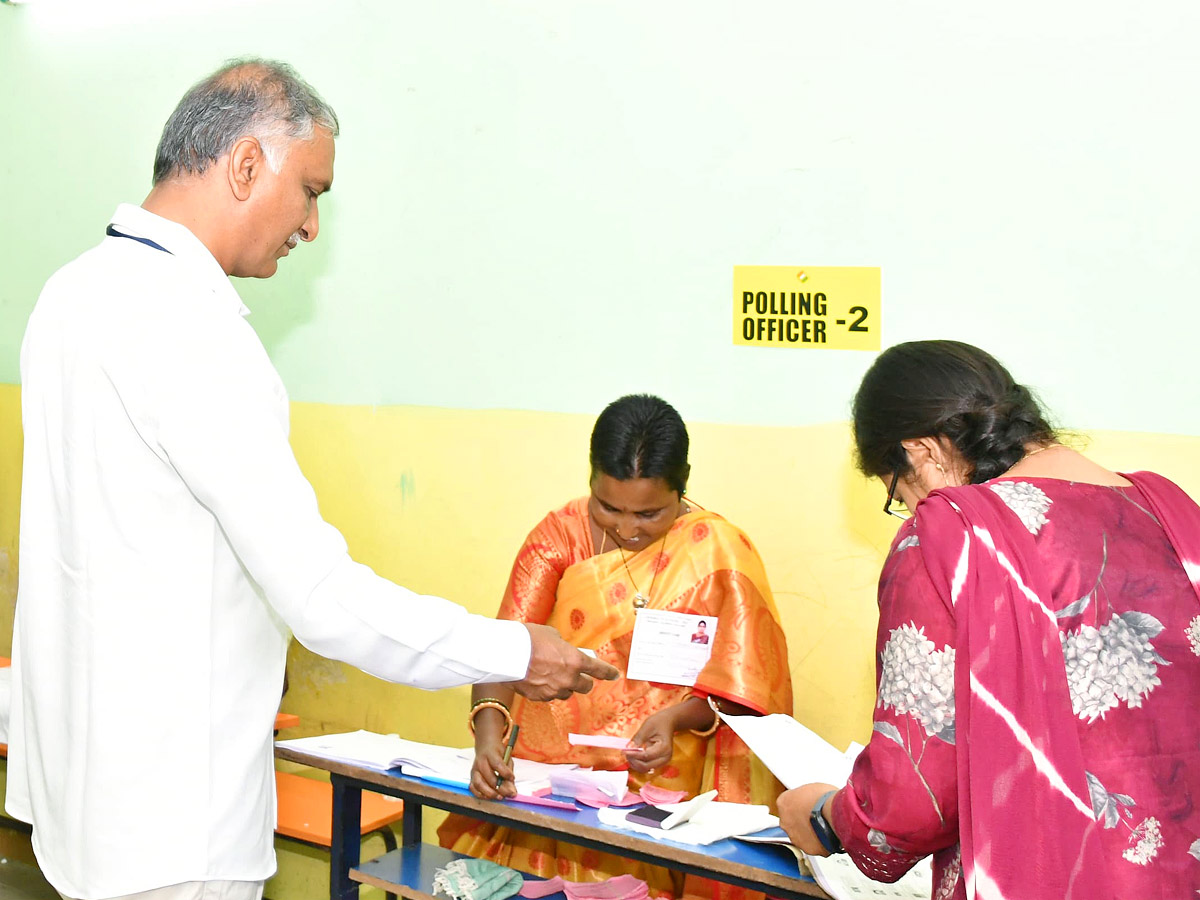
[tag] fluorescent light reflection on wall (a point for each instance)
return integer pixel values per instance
(69, 16)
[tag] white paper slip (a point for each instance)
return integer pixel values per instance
(842, 880)
(689, 809)
(794, 754)
(670, 647)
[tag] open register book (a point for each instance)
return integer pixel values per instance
(431, 762)
(842, 880)
(795, 755)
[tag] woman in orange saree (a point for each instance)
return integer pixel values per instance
(586, 569)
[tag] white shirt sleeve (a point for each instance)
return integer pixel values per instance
(216, 411)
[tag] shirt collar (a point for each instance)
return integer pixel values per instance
(179, 240)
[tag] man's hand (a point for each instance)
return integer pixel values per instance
(795, 806)
(556, 669)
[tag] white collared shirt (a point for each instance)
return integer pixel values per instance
(168, 542)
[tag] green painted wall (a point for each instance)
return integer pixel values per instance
(538, 205)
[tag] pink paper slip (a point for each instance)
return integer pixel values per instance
(543, 801)
(535, 889)
(598, 799)
(657, 795)
(620, 887)
(598, 740)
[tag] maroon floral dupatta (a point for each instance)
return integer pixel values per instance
(1027, 823)
(1027, 830)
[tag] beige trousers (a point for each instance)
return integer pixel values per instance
(198, 890)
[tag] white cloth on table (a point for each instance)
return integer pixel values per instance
(168, 542)
(717, 821)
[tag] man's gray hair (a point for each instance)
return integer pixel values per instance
(259, 98)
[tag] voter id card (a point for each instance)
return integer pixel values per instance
(670, 647)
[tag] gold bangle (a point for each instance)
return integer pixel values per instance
(716, 719)
(483, 700)
(486, 701)
(491, 703)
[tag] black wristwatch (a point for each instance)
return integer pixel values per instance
(823, 830)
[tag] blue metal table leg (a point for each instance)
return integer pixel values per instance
(410, 831)
(347, 836)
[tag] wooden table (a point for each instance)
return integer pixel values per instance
(772, 870)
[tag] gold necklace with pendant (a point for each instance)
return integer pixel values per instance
(640, 600)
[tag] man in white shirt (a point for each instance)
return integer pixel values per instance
(169, 541)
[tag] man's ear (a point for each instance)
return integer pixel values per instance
(246, 163)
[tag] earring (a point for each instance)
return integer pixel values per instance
(945, 478)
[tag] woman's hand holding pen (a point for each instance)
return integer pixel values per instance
(490, 764)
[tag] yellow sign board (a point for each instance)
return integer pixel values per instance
(821, 307)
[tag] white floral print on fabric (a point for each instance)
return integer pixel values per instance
(1111, 664)
(1027, 500)
(1149, 840)
(1195, 850)
(878, 841)
(1193, 635)
(911, 541)
(917, 680)
(1145, 839)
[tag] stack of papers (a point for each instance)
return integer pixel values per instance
(779, 838)
(577, 782)
(430, 762)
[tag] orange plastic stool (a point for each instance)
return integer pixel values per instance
(305, 812)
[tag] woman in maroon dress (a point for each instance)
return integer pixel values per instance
(1036, 725)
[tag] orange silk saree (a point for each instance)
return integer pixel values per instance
(705, 566)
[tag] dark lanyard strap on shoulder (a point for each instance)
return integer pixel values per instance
(112, 232)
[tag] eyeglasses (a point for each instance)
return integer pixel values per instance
(900, 511)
